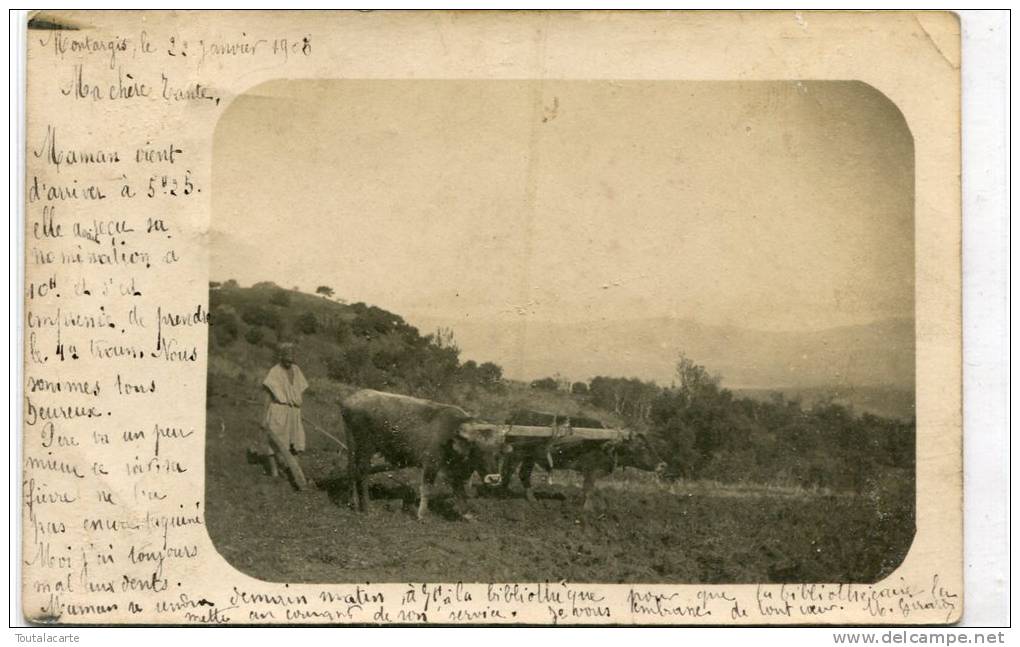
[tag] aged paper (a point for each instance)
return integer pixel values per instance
(627, 318)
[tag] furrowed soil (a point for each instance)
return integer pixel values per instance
(641, 531)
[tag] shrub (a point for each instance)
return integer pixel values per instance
(255, 334)
(280, 298)
(490, 375)
(347, 365)
(343, 333)
(225, 325)
(307, 324)
(370, 322)
(545, 384)
(261, 316)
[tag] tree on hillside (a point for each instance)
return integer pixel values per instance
(545, 384)
(225, 325)
(443, 338)
(627, 397)
(230, 284)
(255, 335)
(371, 322)
(437, 365)
(307, 324)
(280, 298)
(256, 315)
(579, 388)
(490, 374)
(325, 291)
(693, 380)
(487, 375)
(380, 350)
(705, 429)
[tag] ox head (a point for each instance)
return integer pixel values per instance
(480, 448)
(636, 451)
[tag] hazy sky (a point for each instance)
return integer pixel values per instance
(779, 206)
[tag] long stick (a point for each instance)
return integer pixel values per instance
(326, 433)
(316, 428)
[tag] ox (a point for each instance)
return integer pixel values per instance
(591, 457)
(410, 432)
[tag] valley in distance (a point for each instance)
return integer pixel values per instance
(868, 367)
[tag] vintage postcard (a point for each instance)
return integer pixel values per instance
(543, 318)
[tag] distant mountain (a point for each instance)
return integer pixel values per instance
(879, 354)
(884, 401)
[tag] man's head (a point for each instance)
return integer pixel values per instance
(285, 355)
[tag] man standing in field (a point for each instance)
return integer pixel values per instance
(284, 386)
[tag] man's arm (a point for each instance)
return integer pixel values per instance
(267, 401)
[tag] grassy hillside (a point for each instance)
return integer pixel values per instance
(377, 349)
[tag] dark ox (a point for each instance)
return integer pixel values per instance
(410, 432)
(592, 458)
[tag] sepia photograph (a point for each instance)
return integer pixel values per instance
(596, 331)
(501, 318)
